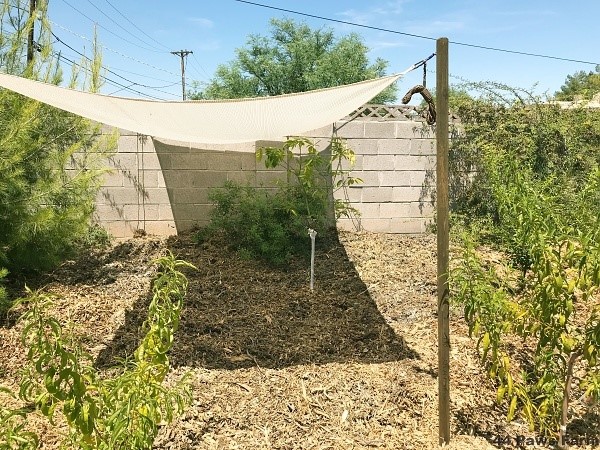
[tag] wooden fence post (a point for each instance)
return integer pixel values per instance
(442, 140)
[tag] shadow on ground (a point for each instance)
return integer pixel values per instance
(240, 313)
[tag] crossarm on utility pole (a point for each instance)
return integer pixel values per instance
(182, 54)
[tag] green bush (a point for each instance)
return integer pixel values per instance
(13, 435)
(529, 172)
(5, 304)
(105, 413)
(272, 223)
(258, 223)
(555, 147)
(52, 161)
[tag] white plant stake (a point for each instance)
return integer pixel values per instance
(313, 234)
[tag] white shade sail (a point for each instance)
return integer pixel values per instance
(209, 122)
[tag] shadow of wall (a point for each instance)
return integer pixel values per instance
(190, 172)
(239, 313)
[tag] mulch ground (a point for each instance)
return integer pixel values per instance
(349, 365)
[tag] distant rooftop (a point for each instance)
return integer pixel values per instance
(580, 103)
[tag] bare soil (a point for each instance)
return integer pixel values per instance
(349, 365)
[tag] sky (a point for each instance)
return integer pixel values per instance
(137, 37)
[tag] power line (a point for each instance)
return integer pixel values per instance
(137, 74)
(116, 52)
(464, 44)
(135, 26)
(121, 26)
(108, 80)
(108, 30)
(195, 61)
(133, 83)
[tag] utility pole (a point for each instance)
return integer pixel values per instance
(32, 7)
(182, 54)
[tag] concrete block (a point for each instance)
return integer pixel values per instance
(425, 208)
(120, 229)
(405, 210)
(393, 146)
(188, 195)
(363, 146)
(349, 130)
(414, 162)
(380, 130)
(121, 196)
(113, 179)
(149, 178)
(189, 161)
(161, 180)
(149, 212)
(352, 195)
(149, 161)
(379, 162)
(164, 161)
(263, 144)
(423, 147)
(346, 224)
(369, 178)
(171, 147)
(368, 210)
(156, 195)
(223, 161)
(181, 178)
(131, 179)
(377, 194)
(417, 178)
(146, 144)
(165, 212)
(244, 177)
(160, 228)
(191, 212)
(110, 212)
(406, 194)
(187, 225)
(376, 225)
(394, 178)
(358, 163)
(124, 161)
(248, 161)
(270, 177)
(412, 130)
(128, 144)
(206, 178)
(408, 226)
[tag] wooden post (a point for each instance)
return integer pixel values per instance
(443, 239)
(30, 33)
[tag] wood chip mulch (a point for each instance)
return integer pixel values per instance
(350, 365)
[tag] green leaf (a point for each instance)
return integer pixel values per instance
(512, 408)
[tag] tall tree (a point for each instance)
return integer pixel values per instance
(582, 84)
(51, 161)
(294, 58)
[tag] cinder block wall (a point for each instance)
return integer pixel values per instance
(162, 187)
(396, 161)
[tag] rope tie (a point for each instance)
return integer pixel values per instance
(430, 114)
